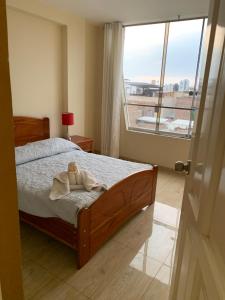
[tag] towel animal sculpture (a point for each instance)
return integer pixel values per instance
(73, 179)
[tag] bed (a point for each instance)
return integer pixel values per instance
(99, 219)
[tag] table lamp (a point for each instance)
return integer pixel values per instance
(67, 120)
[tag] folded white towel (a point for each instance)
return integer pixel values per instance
(66, 182)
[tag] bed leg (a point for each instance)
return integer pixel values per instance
(155, 173)
(84, 251)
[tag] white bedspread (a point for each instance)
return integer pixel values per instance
(35, 180)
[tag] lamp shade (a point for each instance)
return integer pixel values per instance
(67, 118)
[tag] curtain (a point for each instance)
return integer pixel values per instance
(112, 88)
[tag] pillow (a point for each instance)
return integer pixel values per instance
(43, 148)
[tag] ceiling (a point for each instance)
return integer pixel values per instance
(133, 11)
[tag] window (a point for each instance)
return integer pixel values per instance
(161, 68)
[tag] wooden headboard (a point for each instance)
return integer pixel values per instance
(28, 129)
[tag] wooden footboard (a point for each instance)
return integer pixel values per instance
(101, 220)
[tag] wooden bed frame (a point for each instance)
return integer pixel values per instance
(101, 220)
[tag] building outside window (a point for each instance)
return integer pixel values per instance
(161, 76)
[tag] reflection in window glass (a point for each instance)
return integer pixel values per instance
(143, 50)
(181, 63)
(201, 65)
(175, 121)
(141, 117)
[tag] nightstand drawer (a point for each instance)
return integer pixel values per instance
(86, 144)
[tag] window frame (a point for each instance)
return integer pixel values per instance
(160, 106)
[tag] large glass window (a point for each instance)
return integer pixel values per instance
(161, 68)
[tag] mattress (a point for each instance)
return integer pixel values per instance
(35, 177)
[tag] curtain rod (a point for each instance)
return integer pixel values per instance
(167, 21)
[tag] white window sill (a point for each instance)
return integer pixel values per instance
(161, 134)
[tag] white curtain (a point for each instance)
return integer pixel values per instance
(112, 88)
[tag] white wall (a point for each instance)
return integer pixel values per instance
(61, 72)
(93, 75)
(35, 56)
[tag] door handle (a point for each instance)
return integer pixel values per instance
(181, 167)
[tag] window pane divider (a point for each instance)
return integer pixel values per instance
(162, 106)
(163, 68)
(196, 74)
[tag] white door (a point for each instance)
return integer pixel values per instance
(199, 269)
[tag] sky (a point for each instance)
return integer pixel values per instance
(143, 48)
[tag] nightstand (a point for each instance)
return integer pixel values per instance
(86, 144)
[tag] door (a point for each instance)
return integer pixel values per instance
(10, 258)
(199, 268)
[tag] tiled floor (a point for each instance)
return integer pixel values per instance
(135, 264)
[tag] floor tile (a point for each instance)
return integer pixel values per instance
(132, 280)
(145, 264)
(35, 278)
(170, 258)
(129, 285)
(104, 267)
(58, 259)
(57, 290)
(160, 243)
(135, 233)
(158, 289)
